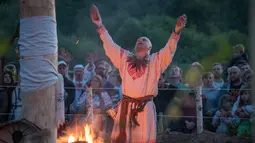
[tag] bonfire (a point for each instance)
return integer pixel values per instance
(75, 135)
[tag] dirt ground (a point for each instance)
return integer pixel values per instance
(205, 137)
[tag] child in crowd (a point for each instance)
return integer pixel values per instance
(243, 109)
(223, 118)
(238, 54)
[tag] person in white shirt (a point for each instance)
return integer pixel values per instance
(140, 73)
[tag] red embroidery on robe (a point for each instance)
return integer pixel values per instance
(136, 68)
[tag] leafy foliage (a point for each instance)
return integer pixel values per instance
(213, 27)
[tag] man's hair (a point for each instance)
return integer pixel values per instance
(198, 66)
(215, 64)
(206, 75)
(239, 47)
(234, 67)
(175, 66)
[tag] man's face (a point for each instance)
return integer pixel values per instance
(245, 68)
(62, 69)
(234, 75)
(175, 72)
(78, 73)
(208, 80)
(7, 79)
(217, 70)
(101, 69)
(143, 46)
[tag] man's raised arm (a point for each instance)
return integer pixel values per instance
(112, 50)
(165, 55)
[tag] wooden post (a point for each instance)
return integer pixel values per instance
(199, 110)
(38, 107)
(252, 44)
(1, 71)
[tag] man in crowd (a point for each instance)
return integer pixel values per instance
(68, 84)
(217, 70)
(234, 83)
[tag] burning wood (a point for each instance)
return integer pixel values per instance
(81, 136)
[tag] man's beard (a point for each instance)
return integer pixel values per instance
(235, 81)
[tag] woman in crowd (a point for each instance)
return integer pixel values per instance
(14, 96)
(5, 95)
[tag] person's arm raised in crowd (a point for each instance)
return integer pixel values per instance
(112, 50)
(89, 70)
(66, 57)
(165, 55)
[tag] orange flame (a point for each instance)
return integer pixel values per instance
(71, 139)
(87, 136)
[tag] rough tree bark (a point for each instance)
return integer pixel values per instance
(39, 106)
(252, 44)
(1, 71)
(199, 110)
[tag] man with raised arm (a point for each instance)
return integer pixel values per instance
(135, 121)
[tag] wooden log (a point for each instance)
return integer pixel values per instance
(1, 72)
(199, 110)
(38, 107)
(2, 64)
(252, 44)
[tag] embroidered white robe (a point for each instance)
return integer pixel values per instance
(139, 84)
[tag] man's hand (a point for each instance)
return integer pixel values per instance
(95, 16)
(64, 55)
(180, 23)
